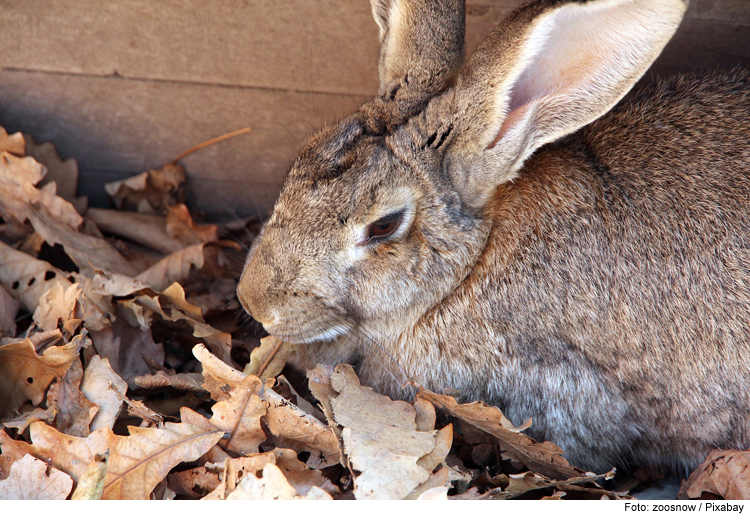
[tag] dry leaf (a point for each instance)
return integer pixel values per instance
(97, 385)
(268, 360)
(194, 483)
(30, 479)
(137, 462)
(381, 438)
(147, 192)
(186, 381)
(27, 278)
(149, 230)
(26, 419)
(19, 197)
(272, 486)
(545, 457)
(90, 485)
(180, 225)
(239, 416)
(8, 310)
(724, 473)
(11, 450)
(63, 173)
(25, 376)
(13, 143)
(173, 268)
(57, 308)
(86, 251)
(218, 377)
(74, 411)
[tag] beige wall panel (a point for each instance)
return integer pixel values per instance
(116, 127)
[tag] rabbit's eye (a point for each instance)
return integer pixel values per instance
(384, 227)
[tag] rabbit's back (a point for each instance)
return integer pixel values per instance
(612, 303)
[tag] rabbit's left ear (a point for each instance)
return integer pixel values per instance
(421, 45)
(551, 68)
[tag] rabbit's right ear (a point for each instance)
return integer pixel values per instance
(421, 45)
(549, 69)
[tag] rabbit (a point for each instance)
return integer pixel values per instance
(507, 228)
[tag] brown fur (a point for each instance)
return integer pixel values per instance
(603, 290)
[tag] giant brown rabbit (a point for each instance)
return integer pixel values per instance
(501, 228)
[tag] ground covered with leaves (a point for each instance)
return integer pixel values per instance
(128, 372)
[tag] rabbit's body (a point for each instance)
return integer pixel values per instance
(611, 306)
(601, 287)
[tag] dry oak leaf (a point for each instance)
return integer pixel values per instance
(19, 196)
(380, 437)
(63, 173)
(74, 411)
(10, 451)
(273, 485)
(31, 479)
(194, 483)
(85, 250)
(137, 462)
(268, 360)
(90, 485)
(8, 310)
(186, 381)
(173, 268)
(13, 143)
(27, 278)
(28, 418)
(148, 192)
(97, 385)
(240, 416)
(147, 229)
(180, 225)
(218, 377)
(545, 457)
(25, 376)
(725, 473)
(57, 308)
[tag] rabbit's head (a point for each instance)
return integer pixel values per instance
(383, 214)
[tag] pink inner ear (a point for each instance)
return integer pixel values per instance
(510, 120)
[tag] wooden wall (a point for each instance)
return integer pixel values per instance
(127, 85)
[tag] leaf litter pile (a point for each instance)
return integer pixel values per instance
(127, 372)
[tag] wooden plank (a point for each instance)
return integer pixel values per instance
(117, 126)
(313, 45)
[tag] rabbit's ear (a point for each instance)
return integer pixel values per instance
(421, 45)
(549, 69)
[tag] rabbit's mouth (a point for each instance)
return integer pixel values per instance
(298, 334)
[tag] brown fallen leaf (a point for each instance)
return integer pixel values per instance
(180, 225)
(187, 381)
(86, 251)
(74, 411)
(147, 229)
(19, 196)
(194, 483)
(173, 268)
(268, 360)
(724, 473)
(137, 462)
(273, 485)
(545, 457)
(218, 377)
(8, 310)
(25, 376)
(381, 438)
(63, 173)
(101, 385)
(148, 192)
(37, 415)
(90, 485)
(239, 416)
(26, 278)
(13, 143)
(57, 308)
(31, 479)
(11, 450)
